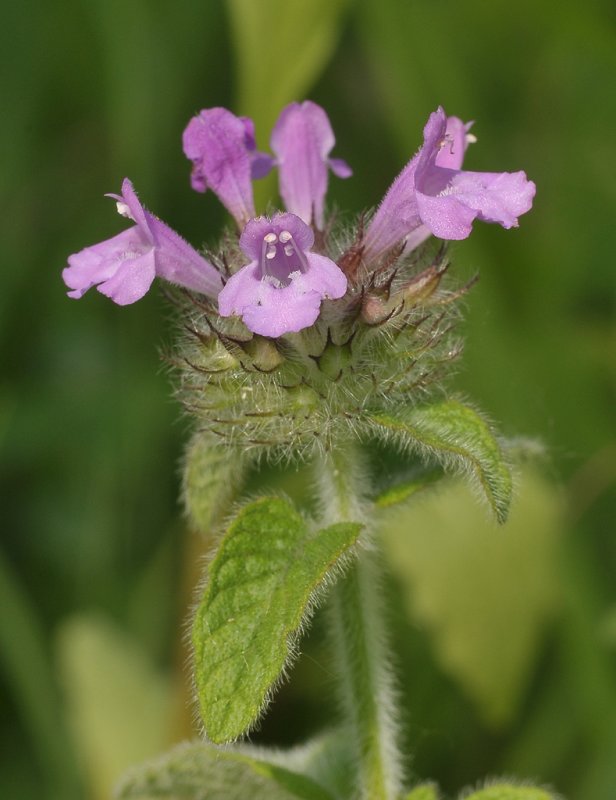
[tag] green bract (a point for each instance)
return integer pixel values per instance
(458, 437)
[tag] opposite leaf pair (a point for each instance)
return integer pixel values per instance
(196, 771)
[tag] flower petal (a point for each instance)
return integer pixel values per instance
(100, 262)
(281, 289)
(294, 311)
(220, 145)
(323, 276)
(445, 216)
(488, 196)
(339, 167)
(179, 263)
(129, 206)
(415, 238)
(396, 216)
(302, 140)
(433, 194)
(120, 265)
(497, 196)
(267, 309)
(131, 280)
(253, 234)
(240, 291)
(456, 141)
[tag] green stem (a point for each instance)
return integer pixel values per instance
(358, 636)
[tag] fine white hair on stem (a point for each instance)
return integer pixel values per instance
(363, 661)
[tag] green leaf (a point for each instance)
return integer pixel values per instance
(261, 587)
(458, 437)
(401, 491)
(281, 49)
(509, 791)
(484, 599)
(328, 759)
(427, 791)
(197, 771)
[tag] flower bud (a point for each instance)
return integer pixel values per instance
(379, 306)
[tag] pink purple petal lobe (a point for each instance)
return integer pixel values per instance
(223, 151)
(281, 289)
(302, 140)
(124, 266)
(433, 195)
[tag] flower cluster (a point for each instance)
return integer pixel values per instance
(282, 284)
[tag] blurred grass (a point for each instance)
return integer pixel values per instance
(88, 446)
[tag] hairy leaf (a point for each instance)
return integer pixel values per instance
(402, 490)
(198, 771)
(261, 586)
(427, 791)
(211, 476)
(458, 437)
(509, 791)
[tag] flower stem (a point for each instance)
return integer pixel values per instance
(357, 630)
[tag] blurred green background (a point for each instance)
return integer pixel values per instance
(506, 640)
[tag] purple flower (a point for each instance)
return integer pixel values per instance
(282, 287)
(125, 266)
(302, 140)
(433, 195)
(223, 151)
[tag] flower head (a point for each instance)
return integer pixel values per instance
(124, 266)
(282, 287)
(302, 140)
(225, 159)
(433, 195)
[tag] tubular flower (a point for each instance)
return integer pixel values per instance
(223, 151)
(302, 140)
(124, 266)
(279, 269)
(433, 195)
(282, 287)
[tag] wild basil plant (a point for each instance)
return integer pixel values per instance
(302, 341)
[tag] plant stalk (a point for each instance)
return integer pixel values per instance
(359, 640)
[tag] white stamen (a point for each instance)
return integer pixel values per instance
(270, 238)
(123, 209)
(271, 253)
(288, 250)
(471, 138)
(285, 236)
(447, 140)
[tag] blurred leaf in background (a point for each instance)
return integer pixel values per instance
(119, 705)
(484, 593)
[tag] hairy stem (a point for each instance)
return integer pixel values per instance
(357, 630)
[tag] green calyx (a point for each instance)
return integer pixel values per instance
(387, 342)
